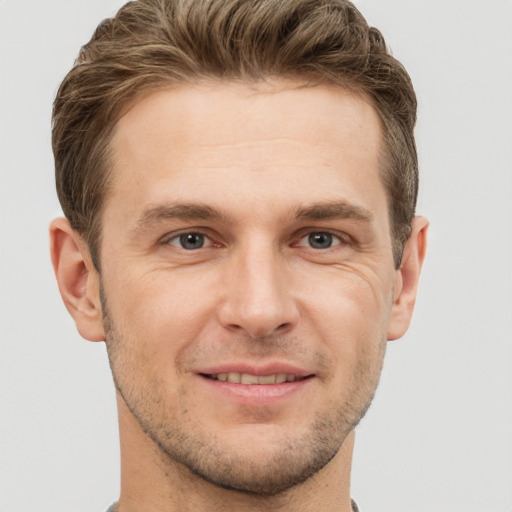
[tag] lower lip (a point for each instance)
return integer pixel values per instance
(257, 394)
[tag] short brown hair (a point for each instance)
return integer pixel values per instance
(152, 44)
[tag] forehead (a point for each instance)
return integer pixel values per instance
(278, 141)
(217, 112)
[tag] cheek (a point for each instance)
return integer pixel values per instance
(352, 322)
(352, 302)
(351, 316)
(160, 297)
(156, 317)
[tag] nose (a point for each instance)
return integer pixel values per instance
(258, 294)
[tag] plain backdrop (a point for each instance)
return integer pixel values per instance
(438, 437)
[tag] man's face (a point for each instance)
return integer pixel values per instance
(247, 276)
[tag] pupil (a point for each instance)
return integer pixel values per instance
(192, 241)
(320, 240)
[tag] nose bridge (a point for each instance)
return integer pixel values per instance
(259, 300)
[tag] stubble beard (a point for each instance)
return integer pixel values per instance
(210, 458)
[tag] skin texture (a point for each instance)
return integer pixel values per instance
(258, 175)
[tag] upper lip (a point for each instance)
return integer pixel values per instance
(256, 369)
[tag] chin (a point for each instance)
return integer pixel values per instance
(264, 463)
(265, 473)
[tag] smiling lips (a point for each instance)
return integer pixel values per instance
(247, 378)
(256, 387)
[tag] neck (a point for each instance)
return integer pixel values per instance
(151, 481)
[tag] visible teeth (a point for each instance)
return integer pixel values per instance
(267, 379)
(247, 378)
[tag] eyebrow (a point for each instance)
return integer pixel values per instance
(183, 211)
(334, 210)
(199, 211)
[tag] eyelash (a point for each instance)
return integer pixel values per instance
(342, 239)
(337, 239)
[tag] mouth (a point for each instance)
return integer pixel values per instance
(273, 384)
(252, 380)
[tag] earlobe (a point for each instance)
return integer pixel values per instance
(78, 280)
(406, 279)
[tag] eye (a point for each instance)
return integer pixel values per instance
(319, 240)
(190, 241)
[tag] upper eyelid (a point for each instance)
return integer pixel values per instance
(342, 235)
(297, 236)
(175, 234)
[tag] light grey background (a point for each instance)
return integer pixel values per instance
(439, 435)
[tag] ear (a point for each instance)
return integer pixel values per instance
(406, 279)
(78, 280)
